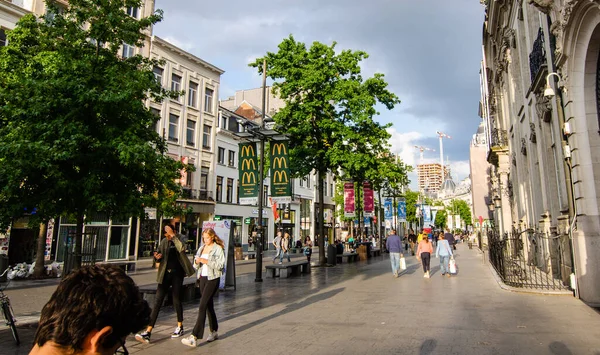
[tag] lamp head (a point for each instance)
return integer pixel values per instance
(548, 91)
(497, 202)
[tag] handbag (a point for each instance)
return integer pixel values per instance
(452, 265)
(402, 263)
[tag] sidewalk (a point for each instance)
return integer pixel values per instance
(360, 308)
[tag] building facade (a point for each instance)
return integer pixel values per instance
(540, 104)
(429, 177)
(480, 181)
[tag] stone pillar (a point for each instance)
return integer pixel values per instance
(505, 217)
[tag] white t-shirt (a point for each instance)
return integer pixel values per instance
(204, 268)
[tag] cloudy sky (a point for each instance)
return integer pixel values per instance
(429, 51)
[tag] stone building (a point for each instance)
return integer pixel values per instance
(541, 91)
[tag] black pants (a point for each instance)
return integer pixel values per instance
(171, 279)
(425, 259)
(208, 289)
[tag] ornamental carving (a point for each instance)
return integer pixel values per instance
(543, 5)
(558, 27)
(514, 159)
(543, 107)
(523, 146)
(532, 137)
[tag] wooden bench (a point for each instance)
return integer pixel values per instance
(189, 292)
(375, 252)
(350, 257)
(290, 268)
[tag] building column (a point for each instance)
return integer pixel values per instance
(505, 212)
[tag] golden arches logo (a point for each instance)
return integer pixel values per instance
(248, 179)
(280, 177)
(248, 164)
(280, 163)
(279, 147)
(248, 151)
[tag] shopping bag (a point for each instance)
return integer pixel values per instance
(402, 263)
(452, 266)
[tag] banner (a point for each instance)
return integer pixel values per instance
(458, 223)
(387, 208)
(368, 202)
(349, 199)
(222, 228)
(274, 208)
(281, 188)
(433, 214)
(426, 215)
(402, 210)
(248, 170)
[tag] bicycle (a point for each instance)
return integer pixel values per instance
(7, 311)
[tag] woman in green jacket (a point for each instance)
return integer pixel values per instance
(174, 267)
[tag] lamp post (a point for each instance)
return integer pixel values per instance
(498, 206)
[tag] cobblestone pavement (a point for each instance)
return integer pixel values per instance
(360, 308)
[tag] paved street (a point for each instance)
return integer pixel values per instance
(361, 308)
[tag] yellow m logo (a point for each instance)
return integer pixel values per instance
(280, 163)
(280, 177)
(279, 147)
(248, 164)
(248, 151)
(248, 179)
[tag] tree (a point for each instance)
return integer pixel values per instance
(327, 102)
(463, 210)
(440, 219)
(411, 206)
(75, 135)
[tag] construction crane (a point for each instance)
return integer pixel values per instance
(422, 149)
(442, 135)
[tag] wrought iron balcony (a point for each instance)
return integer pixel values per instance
(193, 194)
(537, 57)
(499, 138)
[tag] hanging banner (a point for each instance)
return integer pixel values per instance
(387, 208)
(368, 203)
(426, 215)
(458, 222)
(248, 170)
(349, 199)
(402, 210)
(281, 188)
(274, 208)
(222, 229)
(433, 214)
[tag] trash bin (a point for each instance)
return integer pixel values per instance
(331, 255)
(3, 267)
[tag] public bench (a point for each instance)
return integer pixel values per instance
(290, 268)
(126, 265)
(350, 257)
(189, 291)
(375, 252)
(249, 255)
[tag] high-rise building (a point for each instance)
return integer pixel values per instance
(430, 177)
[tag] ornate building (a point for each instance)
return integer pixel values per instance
(540, 105)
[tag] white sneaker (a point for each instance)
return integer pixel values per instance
(212, 336)
(190, 340)
(177, 333)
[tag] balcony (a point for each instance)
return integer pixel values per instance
(199, 195)
(498, 144)
(537, 57)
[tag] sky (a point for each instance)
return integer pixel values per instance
(428, 50)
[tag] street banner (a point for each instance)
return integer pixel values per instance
(274, 208)
(367, 221)
(368, 202)
(223, 229)
(387, 208)
(248, 170)
(426, 215)
(433, 214)
(402, 210)
(349, 199)
(450, 222)
(281, 188)
(457, 218)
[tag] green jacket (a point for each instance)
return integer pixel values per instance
(183, 259)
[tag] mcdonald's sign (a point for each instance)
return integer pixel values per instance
(248, 170)
(281, 189)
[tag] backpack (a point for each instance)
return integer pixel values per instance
(307, 251)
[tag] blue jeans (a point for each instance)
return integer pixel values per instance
(278, 253)
(444, 260)
(395, 260)
(284, 253)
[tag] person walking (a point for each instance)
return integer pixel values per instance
(424, 251)
(308, 248)
(412, 240)
(285, 248)
(277, 245)
(209, 263)
(444, 252)
(173, 268)
(394, 245)
(450, 238)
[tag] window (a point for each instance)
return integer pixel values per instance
(132, 11)
(204, 178)
(155, 112)
(128, 50)
(231, 158)
(221, 155)
(331, 190)
(229, 190)
(301, 182)
(191, 133)
(175, 82)
(219, 188)
(158, 74)
(237, 192)
(193, 89)
(308, 181)
(189, 178)
(2, 38)
(223, 122)
(208, 100)
(206, 137)
(173, 127)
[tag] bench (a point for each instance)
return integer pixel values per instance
(249, 255)
(375, 252)
(189, 292)
(350, 257)
(290, 268)
(126, 265)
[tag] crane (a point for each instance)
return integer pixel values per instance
(422, 149)
(442, 135)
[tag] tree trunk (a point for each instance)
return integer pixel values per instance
(78, 242)
(39, 269)
(320, 218)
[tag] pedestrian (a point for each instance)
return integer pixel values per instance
(209, 263)
(412, 240)
(277, 245)
(394, 245)
(450, 238)
(424, 251)
(173, 268)
(308, 248)
(92, 311)
(285, 248)
(444, 252)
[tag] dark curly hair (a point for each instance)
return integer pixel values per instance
(91, 298)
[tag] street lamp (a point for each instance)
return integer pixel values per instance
(548, 91)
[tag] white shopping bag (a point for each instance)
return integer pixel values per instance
(452, 266)
(402, 263)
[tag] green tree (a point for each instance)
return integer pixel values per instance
(411, 206)
(462, 208)
(328, 103)
(75, 135)
(440, 219)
